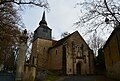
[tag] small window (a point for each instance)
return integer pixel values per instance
(82, 46)
(82, 49)
(43, 50)
(85, 60)
(33, 60)
(79, 54)
(70, 69)
(56, 52)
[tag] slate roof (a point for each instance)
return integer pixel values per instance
(61, 41)
(43, 19)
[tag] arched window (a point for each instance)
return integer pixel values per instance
(33, 60)
(79, 52)
(43, 50)
(56, 52)
(82, 49)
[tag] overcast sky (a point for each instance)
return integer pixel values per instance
(60, 19)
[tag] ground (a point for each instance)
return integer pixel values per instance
(82, 78)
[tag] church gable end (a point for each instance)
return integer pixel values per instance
(74, 47)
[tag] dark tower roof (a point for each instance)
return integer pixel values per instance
(43, 31)
(43, 19)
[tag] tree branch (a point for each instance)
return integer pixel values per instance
(111, 12)
(40, 4)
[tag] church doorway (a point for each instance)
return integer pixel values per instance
(78, 68)
(64, 59)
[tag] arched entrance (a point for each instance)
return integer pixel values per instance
(78, 68)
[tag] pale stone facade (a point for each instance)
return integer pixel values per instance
(76, 55)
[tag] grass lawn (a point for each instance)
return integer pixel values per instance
(52, 78)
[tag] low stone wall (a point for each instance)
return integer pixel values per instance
(29, 73)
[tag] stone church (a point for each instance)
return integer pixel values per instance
(69, 55)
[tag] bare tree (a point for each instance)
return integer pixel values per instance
(98, 15)
(39, 3)
(10, 30)
(29, 45)
(95, 42)
(10, 22)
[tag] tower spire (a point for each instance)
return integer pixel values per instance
(43, 19)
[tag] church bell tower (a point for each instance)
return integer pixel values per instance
(41, 43)
(43, 31)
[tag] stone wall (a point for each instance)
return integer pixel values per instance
(60, 58)
(29, 73)
(40, 51)
(112, 55)
(91, 61)
(55, 60)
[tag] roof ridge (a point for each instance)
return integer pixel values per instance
(61, 41)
